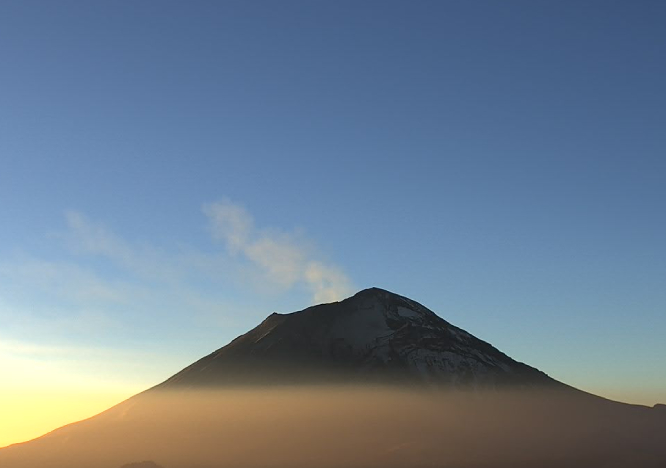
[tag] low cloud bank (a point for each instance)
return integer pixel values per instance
(353, 427)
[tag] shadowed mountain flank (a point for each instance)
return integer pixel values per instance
(374, 336)
(374, 381)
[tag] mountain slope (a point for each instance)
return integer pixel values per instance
(374, 336)
(292, 393)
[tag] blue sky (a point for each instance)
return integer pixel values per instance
(171, 173)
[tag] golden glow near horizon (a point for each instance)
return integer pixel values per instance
(25, 415)
(44, 388)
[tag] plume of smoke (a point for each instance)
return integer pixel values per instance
(282, 260)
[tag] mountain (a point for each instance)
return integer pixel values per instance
(374, 381)
(373, 336)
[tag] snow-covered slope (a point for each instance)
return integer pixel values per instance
(373, 336)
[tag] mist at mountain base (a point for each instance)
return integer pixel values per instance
(325, 426)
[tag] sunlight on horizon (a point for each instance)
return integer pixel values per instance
(27, 415)
(456, 196)
(52, 386)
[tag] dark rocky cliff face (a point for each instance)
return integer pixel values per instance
(373, 336)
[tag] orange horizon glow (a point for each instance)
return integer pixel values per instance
(29, 414)
(26, 415)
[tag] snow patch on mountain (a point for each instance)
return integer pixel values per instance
(374, 332)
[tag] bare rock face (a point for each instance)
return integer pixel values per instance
(373, 336)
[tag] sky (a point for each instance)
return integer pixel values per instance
(173, 172)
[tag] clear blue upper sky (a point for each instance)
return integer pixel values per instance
(172, 172)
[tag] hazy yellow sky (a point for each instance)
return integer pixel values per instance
(172, 173)
(46, 387)
(31, 413)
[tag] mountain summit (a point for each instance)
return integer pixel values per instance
(241, 405)
(374, 336)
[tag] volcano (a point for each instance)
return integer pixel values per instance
(376, 380)
(374, 336)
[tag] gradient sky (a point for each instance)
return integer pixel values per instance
(173, 172)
